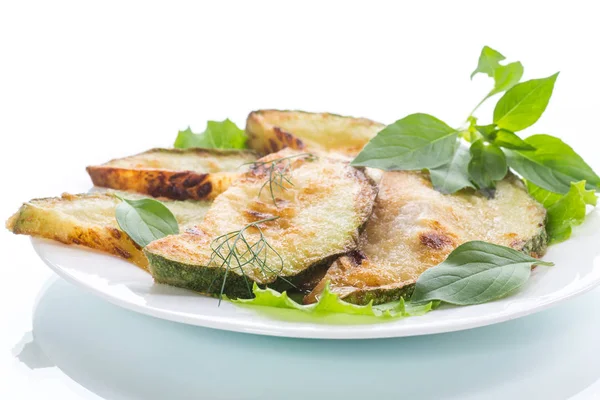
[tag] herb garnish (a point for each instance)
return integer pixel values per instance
(218, 135)
(330, 303)
(278, 173)
(474, 273)
(145, 220)
(234, 250)
(564, 212)
(421, 141)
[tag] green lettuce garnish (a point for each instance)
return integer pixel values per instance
(330, 304)
(564, 211)
(217, 135)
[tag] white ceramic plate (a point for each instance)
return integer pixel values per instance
(577, 270)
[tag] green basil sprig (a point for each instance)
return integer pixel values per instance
(421, 141)
(145, 220)
(474, 273)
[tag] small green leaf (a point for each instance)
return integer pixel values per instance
(509, 140)
(218, 135)
(506, 76)
(503, 137)
(568, 211)
(454, 176)
(553, 165)
(470, 135)
(487, 165)
(486, 130)
(474, 273)
(415, 142)
(145, 220)
(524, 103)
(489, 60)
(330, 303)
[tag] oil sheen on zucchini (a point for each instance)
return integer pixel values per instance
(271, 130)
(179, 174)
(414, 227)
(89, 220)
(319, 217)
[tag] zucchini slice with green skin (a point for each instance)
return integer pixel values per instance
(414, 227)
(89, 220)
(179, 174)
(319, 215)
(272, 130)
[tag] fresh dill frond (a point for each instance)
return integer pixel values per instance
(235, 250)
(278, 173)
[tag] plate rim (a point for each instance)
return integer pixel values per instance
(356, 332)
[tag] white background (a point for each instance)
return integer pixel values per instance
(82, 82)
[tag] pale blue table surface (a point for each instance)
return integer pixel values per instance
(118, 354)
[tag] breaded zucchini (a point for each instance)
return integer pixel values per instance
(178, 174)
(414, 227)
(318, 217)
(272, 130)
(89, 220)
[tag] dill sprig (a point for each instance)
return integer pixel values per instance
(234, 250)
(278, 171)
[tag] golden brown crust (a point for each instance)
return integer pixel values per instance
(272, 130)
(149, 177)
(185, 185)
(319, 218)
(414, 227)
(89, 220)
(35, 219)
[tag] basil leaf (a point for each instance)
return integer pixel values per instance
(524, 103)
(510, 140)
(415, 142)
(218, 135)
(487, 165)
(454, 176)
(486, 130)
(506, 76)
(145, 220)
(471, 134)
(568, 211)
(503, 137)
(489, 60)
(553, 165)
(474, 273)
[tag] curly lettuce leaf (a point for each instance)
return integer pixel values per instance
(564, 211)
(329, 303)
(218, 135)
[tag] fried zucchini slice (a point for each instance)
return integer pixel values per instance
(89, 220)
(414, 227)
(319, 212)
(179, 174)
(272, 130)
